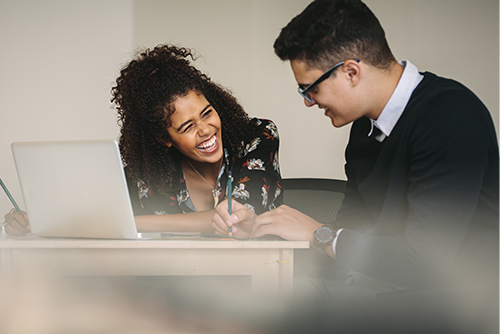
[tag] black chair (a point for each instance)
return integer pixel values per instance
(317, 198)
(320, 199)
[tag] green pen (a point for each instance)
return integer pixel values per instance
(10, 197)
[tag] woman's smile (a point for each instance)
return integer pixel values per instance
(209, 146)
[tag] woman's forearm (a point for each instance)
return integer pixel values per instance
(182, 222)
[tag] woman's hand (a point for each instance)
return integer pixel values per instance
(16, 224)
(241, 221)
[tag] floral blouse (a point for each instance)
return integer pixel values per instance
(256, 179)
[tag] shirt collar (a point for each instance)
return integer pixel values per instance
(399, 99)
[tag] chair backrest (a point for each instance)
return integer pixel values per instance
(317, 198)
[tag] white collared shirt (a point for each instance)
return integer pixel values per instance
(394, 108)
(399, 99)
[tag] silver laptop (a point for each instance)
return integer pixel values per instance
(75, 189)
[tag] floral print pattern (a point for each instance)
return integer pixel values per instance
(240, 192)
(252, 146)
(182, 196)
(256, 164)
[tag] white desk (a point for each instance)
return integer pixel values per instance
(269, 263)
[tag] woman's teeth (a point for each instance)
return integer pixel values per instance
(208, 144)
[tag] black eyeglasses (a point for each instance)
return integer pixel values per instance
(305, 92)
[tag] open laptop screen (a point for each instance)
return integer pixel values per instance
(75, 189)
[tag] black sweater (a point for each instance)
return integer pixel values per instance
(421, 208)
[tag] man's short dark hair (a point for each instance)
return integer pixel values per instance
(330, 31)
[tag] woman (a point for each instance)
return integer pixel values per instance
(180, 135)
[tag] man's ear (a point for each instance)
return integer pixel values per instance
(353, 70)
(162, 140)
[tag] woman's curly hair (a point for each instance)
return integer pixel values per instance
(144, 95)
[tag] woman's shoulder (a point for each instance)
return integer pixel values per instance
(266, 128)
(262, 121)
(266, 138)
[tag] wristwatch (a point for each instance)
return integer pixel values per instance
(324, 237)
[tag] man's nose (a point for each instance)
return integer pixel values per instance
(309, 104)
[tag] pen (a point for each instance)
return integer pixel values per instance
(10, 197)
(229, 195)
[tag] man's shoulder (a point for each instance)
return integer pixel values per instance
(444, 107)
(443, 95)
(433, 85)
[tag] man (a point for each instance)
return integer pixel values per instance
(421, 201)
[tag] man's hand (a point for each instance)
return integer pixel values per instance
(287, 223)
(242, 219)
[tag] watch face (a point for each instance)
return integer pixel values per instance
(324, 234)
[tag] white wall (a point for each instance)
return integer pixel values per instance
(59, 58)
(452, 38)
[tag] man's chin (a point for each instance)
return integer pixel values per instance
(335, 122)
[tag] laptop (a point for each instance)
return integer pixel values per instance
(75, 189)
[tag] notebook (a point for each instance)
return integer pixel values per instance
(75, 189)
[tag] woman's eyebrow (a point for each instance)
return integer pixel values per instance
(186, 122)
(182, 125)
(208, 106)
